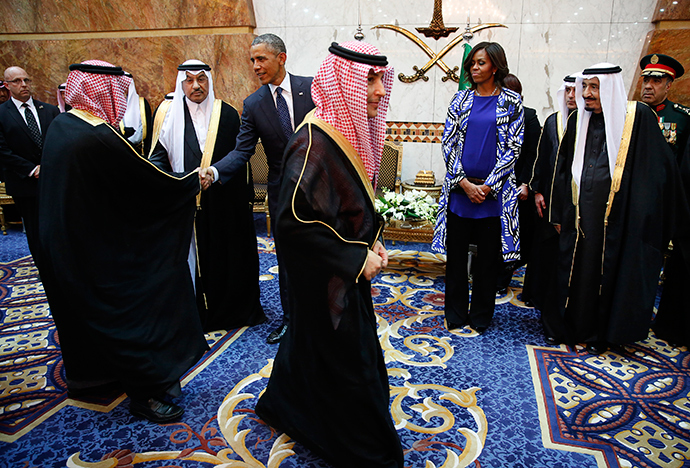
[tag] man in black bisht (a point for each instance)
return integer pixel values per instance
(197, 130)
(543, 266)
(329, 385)
(115, 233)
(616, 196)
(523, 173)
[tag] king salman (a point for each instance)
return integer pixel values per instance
(115, 237)
(617, 196)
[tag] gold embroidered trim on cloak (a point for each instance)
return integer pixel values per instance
(210, 144)
(351, 154)
(161, 112)
(93, 120)
(144, 123)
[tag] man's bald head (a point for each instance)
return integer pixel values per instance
(18, 82)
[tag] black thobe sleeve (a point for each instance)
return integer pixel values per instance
(561, 189)
(322, 212)
(528, 153)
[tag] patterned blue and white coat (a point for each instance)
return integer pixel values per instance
(510, 123)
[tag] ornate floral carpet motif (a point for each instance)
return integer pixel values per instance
(458, 399)
(630, 407)
(32, 377)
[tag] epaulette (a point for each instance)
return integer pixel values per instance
(681, 108)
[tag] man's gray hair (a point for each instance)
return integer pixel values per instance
(273, 42)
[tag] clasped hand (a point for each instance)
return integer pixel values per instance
(205, 177)
(476, 193)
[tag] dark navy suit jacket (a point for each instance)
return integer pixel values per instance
(260, 120)
(19, 154)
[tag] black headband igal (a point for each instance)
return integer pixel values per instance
(96, 69)
(602, 71)
(376, 60)
(194, 67)
(569, 79)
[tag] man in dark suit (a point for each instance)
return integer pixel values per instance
(23, 125)
(282, 94)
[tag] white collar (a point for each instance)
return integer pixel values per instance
(285, 84)
(19, 103)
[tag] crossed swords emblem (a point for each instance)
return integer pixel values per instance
(437, 30)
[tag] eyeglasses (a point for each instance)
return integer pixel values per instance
(18, 81)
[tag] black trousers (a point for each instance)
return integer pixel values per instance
(273, 191)
(28, 209)
(485, 233)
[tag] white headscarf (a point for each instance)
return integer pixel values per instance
(613, 104)
(561, 98)
(132, 116)
(60, 97)
(172, 131)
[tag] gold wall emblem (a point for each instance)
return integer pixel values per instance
(436, 30)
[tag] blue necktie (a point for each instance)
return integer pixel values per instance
(283, 113)
(33, 125)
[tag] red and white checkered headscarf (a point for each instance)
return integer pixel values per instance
(339, 91)
(102, 95)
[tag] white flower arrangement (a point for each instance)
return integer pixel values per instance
(413, 205)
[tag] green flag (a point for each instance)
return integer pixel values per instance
(464, 82)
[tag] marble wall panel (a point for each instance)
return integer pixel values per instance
(566, 11)
(270, 15)
(305, 13)
(45, 16)
(627, 42)
(152, 62)
(482, 11)
(627, 11)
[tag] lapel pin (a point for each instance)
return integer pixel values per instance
(301, 93)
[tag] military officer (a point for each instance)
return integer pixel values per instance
(659, 71)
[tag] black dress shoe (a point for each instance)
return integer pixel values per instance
(480, 330)
(277, 334)
(597, 348)
(551, 340)
(155, 410)
(453, 326)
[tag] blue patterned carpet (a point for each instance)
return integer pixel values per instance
(502, 399)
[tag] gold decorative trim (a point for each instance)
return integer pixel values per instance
(622, 156)
(95, 121)
(210, 144)
(127, 34)
(349, 151)
(161, 112)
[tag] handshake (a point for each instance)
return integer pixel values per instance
(205, 178)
